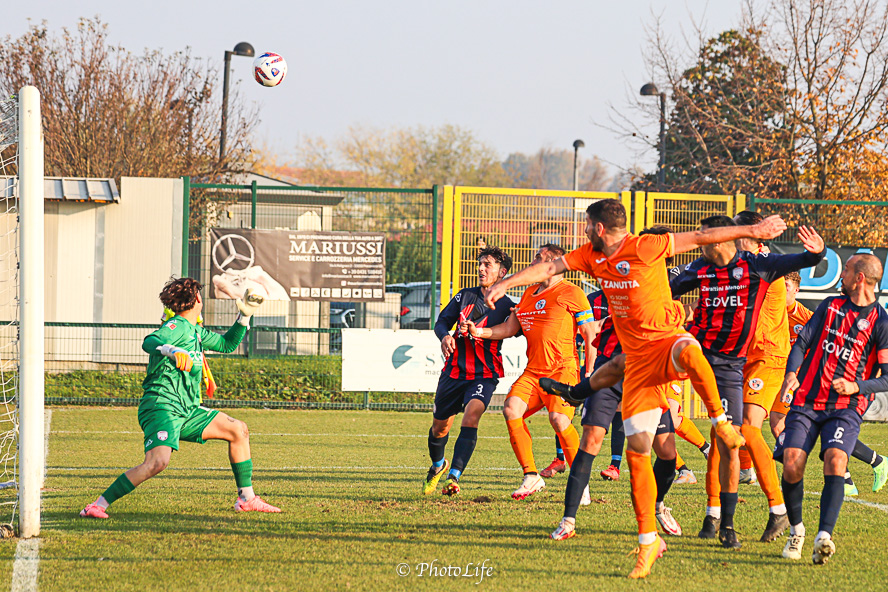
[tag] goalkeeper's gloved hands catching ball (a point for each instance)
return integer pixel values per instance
(178, 355)
(248, 306)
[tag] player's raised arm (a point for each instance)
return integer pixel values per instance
(532, 274)
(769, 228)
(504, 330)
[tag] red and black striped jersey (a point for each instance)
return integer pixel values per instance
(473, 358)
(606, 342)
(731, 296)
(841, 340)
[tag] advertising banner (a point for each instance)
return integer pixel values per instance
(409, 361)
(297, 264)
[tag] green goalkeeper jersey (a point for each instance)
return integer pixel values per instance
(167, 387)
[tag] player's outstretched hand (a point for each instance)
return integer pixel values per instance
(496, 292)
(250, 303)
(845, 387)
(812, 241)
(790, 383)
(769, 228)
(448, 345)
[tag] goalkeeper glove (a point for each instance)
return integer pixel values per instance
(248, 305)
(178, 355)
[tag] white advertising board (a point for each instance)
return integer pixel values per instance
(409, 361)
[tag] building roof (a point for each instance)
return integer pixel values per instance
(67, 189)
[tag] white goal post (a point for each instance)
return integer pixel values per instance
(31, 377)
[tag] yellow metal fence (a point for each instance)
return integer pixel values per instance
(521, 220)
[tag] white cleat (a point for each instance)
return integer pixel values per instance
(667, 521)
(566, 529)
(748, 477)
(793, 548)
(686, 476)
(530, 485)
(587, 498)
(824, 548)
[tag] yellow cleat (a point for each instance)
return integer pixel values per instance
(434, 475)
(729, 435)
(647, 554)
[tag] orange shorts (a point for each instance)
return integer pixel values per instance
(648, 373)
(527, 388)
(762, 380)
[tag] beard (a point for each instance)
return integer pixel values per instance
(846, 291)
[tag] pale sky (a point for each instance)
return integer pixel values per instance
(521, 75)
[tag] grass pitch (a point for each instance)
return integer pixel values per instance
(349, 484)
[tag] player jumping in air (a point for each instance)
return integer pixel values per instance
(798, 316)
(733, 286)
(170, 409)
(471, 371)
(632, 272)
(832, 369)
(599, 410)
(549, 315)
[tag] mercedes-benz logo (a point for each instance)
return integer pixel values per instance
(232, 252)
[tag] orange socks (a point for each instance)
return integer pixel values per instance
(679, 461)
(765, 468)
(745, 459)
(687, 430)
(702, 377)
(644, 491)
(570, 443)
(713, 486)
(522, 444)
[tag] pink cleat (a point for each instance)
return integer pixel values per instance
(254, 505)
(93, 511)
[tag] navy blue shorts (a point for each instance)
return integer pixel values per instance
(665, 426)
(600, 407)
(838, 428)
(729, 379)
(454, 394)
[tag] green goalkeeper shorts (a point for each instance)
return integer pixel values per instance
(165, 428)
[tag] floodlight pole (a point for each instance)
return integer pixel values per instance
(241, 49)
(577, 145)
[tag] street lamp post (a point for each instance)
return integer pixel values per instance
(241, 49)
(650, 90)
(577, 145)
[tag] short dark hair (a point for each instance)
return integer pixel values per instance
(610, 212)
(718, 221)
(498, 255)
(180, 294)
(869, 265)
(554, 249)
(748, 218)
(660, 229)
(794, 277)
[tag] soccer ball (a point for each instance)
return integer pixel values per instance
(269, 69)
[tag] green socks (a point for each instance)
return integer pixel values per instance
(243, 473)
(121, 486)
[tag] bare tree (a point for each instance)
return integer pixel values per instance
(109, 113)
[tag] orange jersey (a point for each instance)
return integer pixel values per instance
(771, 337)
(798, 315)
(549, 323)
(636, 285)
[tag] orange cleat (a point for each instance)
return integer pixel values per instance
(612, 473)
(254, 505)
(647, 554)
(93, 511)
(557, 466)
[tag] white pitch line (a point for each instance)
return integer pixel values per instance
(26, 565)
(305, 435)
(883, 507)
(292, 468)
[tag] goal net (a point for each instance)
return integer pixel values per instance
(21, 314)
(9, 314)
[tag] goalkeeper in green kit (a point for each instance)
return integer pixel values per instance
(170, 408)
